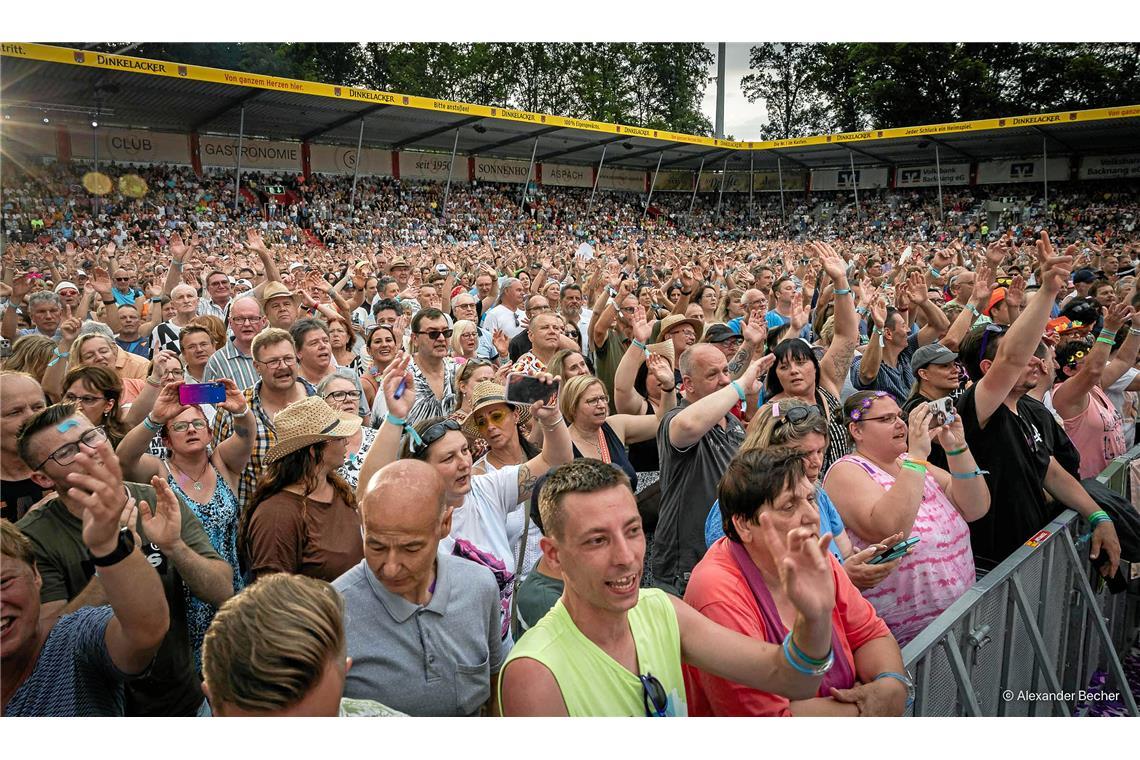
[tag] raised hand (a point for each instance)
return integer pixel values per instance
(163, 526)
(96, 486)
(1117, 315)
(641, 328)
(546, 412)
(754, 328)
(168, 405)
(398, 371)
(178, 249)
(235, 402)
(916, 288)
(918, 432)
(1055, 270)
(751, 380)
(660, 368)
(501, 342)
(1015, 293)
(805, 572)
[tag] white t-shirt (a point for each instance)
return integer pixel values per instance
(1115, 393)
(515, 520)
(482, 519)
(507, 320)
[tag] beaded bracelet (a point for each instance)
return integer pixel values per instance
(956, 452)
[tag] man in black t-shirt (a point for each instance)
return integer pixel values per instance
(21, 397)
(1006, 441)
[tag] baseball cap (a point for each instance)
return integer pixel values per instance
(65, 285)
(933, 353)
(996, 297)
(719, 333)
(1084, 276)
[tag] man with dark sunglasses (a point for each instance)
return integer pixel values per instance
(434, 371)
(1005, 363)
(609, 648)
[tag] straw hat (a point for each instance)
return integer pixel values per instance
(664, 348)
(674, 321)
(274, 290)
(488, 393)
(308, 421)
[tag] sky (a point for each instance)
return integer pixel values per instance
(742, 120)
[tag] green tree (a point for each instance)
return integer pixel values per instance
(782, 76)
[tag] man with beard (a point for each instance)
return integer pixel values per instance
(276, 362)
(1005, 364)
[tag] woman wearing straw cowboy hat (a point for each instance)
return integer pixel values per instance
(302, 516)
(502, 424)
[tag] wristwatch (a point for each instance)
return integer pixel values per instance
(123, 550)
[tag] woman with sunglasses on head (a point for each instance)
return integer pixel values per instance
(798, 375)
(206, 481)
(886, 486)
(481, 503)
(342, 391)
(383, 346)
(800, 426)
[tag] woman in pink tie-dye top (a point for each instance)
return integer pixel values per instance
(878, 492)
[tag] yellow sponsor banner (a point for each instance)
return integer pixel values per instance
(673, 182)
(55, 54)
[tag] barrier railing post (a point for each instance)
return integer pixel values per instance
(529, 171)
(696, 186)
(720, 197)
(237, 161)
(597, 179)
(450, 169)
(356, 171)
(652, 185)
(938, 174)
(854, 183)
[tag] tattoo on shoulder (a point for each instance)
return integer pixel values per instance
(526, 482)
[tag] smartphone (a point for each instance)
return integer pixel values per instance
(524, 389)
(941, 411)
(895, 551)
(201, 393)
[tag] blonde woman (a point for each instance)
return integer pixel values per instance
(30, 354)
(464, 340)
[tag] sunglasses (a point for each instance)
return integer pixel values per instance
(436, 334)
(493, 418)
(795, 414)
(433, 434)
(990, 330)
(653, 696)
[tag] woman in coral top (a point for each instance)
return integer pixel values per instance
(738, 585)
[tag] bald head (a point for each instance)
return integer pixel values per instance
(404, 486)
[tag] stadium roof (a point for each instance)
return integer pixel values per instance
(71, 85)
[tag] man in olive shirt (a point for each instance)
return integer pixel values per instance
(175, 545)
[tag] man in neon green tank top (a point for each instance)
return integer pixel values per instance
(610, 648)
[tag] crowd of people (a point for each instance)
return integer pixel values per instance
(578, 458)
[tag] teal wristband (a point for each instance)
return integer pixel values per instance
(841, 292)
(968, 475)
(397, 421)
(1099, 515)
(800, 668)
(801, 654)
(151, 425)
(739, 391)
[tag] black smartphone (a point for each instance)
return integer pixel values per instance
(524, 389)
(895, 551)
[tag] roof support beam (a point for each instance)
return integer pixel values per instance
(513, 140)
(789, 159)
(1054, 138)
(586, 146)
(638, 154)
(433, 132)
(342, 121)
(717, 152)
(869, 155)
(950, 146)
(226, 107)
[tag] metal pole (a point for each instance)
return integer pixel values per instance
(95, 142)
(854, 182)
(780, 175)
(696, 185)
(1045, 154)
(751, 181)
(652, 184)
(450, 168)
(590, 205)
(720, 196)
(356, 171)
(720, 90)
(529, 169)
(938, 172)
(237, 161)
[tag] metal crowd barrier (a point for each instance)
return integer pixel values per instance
(1026, 639)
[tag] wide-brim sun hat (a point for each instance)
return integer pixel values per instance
(673, 321)
(308, 421)
(488, 393)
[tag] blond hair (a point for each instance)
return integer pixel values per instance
(270, 336)
(572, 392)
(15, 545)
(30, 354)
(269, 646)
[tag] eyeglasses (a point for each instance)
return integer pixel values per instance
(596, 401)
(493, 418)
(71, 398)
(890, 419)
(340, 396)
(245, 320)
(122, 279)
(66, 453)
(433, 434)
(688, 332)
(182, 427)
(653, 696)
(436, 334)
(281, 361)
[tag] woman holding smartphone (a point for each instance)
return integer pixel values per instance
(205, 480)
(886, 486)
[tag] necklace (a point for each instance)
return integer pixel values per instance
(197, 482)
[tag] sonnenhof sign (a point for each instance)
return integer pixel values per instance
(87, 58)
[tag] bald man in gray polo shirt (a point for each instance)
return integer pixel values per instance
(422, 626)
